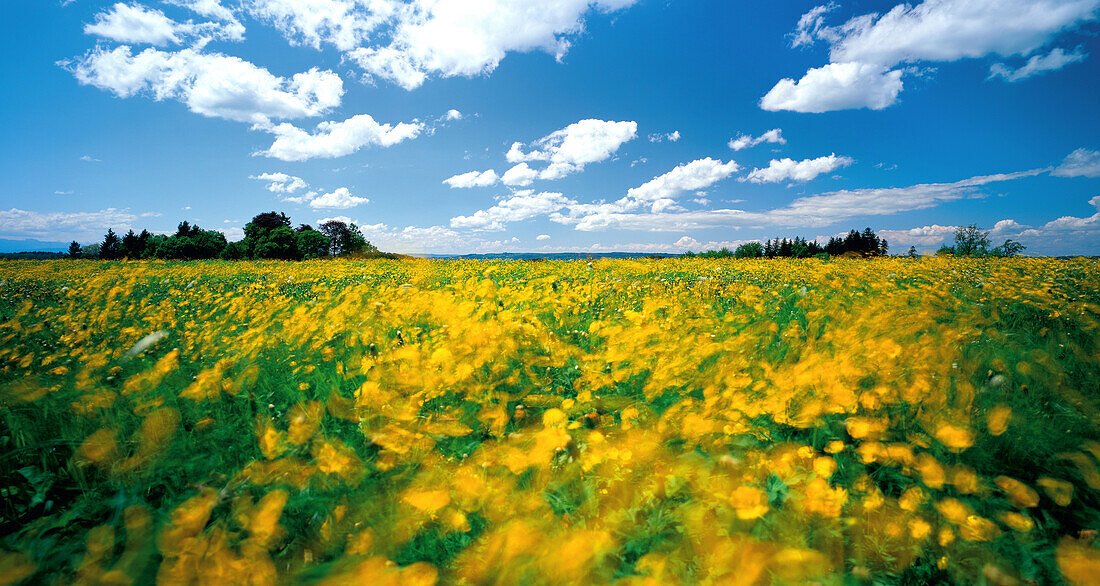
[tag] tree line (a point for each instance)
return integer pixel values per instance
(268, 236)
(865, 243)
(969, 241)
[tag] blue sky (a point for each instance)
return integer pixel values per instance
(555, 125)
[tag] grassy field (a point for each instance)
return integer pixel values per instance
(639, 422)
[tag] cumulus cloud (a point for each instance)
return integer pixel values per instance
(210, 84)
(449, 39)
(520, 206)
(340, 199)
(568, 150)
(521, 175)
(865, 49)
(1038, 64)
(134, 23)
(406, 42)
(336, 139)
(691, 176)
(342, 23)
(780, 170)
(948, 30)
(836, 86)
(1079, 163)
(745, 141)
(472, 179)
(281, 182)
(1072, 223)
(932, 235)
(542, 237)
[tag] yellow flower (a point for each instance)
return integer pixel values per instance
(1021, 523)
(834, 447)
(1019, 494)
(953, 510)
(931, 471)
(1079, 563)
(912, 499)
(965, 480)
(749, 503)
(919, 528)
(997, 419)
(955, 438)
(1059, 491)
(428, 501)
(977, 528)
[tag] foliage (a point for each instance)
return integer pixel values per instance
(749, 250)
(673, 421)
(973, 241)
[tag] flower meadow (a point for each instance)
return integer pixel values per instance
(633, 422)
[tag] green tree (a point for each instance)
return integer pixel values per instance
(749, 250)
(913, 252)
(971, 241)
(312, 244)
(111, 247)
(234, 251)
(90, 251)
(279, 243)
(345, 239)
(74, 249)
(1010, 248)
(258, 231)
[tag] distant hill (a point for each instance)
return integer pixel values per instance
(31, 245)
(549, 255)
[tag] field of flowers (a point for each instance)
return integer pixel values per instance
(638, 422)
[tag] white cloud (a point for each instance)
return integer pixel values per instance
(281, 182)
(59, 192)
(809, 211)
(521, 175)
(1038, 64)
(810, 25)
(209, 84)
(745, 141)
(520, 206)
(472, 179)
(89, 159)
(691, 176)
(341, 199)
(542, 237)
(1006, 226)
(1071, 223)
(866, 48)
(342, 23)
(25, 223)
(933, 235)
(836, 86)
(948, 30)
(428, 37)
(670, 136)
(207, 8)
(452, 114)
(336, 139)
(1079, 163)
(134, 23)
(568, 150)
(790, 170)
